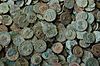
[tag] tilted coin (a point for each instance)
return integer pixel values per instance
(40, 45)
(81, 15)
(92, 62)
(61, 33)
(81, 25)
(17, 40)
(1, 47)
(26, 33)
(65, 18)
(57, 47)
(96, 50)
(89, 29)
(36, 59)
(7, 20)
(49, 29)
(50, 15)
(69, 4)
(3, 28)
(5, 38)
(82, 3)
(98, 16)
(83, 44)
(25, 48)
(28, 2)
(21, 62)
(20, 3)
(70, 34)
(78, 51)
(97, 33)
(4, 8)
(90, 18)
(89, 37)
(12, 54)
(74, 64)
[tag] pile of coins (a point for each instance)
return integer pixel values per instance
(49, 32)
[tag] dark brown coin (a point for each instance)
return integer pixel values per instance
(78, 51)
(3, 28)
(96, 50)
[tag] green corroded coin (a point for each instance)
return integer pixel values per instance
(50, 15)
(7, 20)
(83, 44)
(92, 62)
(12, 54)
(25, 48)
(49, 29)
(81, 15)
(4, 8)
(80, 34)
(69, 4)
(40, 46)
(89, 37)
(90, 18)
(4, 38)
(21, 62)
(97, 34)
(82, 3)
(20, 3)
(26, 33)
(70, 34)
(17, 40)
(1, 63)
(36, 59)
(81, 25)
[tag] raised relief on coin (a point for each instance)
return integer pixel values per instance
(82, 3)
(69, 4)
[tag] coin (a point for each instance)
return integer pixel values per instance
(20, 3)
(17, 40)
(74, 64)
(82, 3)
(62, 59)
(96, 50)
(65, 19)
(92, 62)
(12, 54)
(98, 16)
(56, 64)
(36, 59)
(3, 28)
(97, 33)
(57, 47)
(78, 51)
(25, 48)
(80, 34)
(21, 62)
(50, 15)
(4, 8)
(83, 44)
(40, 46)
(81, 25)
(90, 18)
(89, 37)
(49, 29)
(4, 38)
(7, 20)
(1, 63)
(81, 15)
(69, 4)
(70, 34)
(26, 33)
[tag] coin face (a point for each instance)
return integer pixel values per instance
(82, 3)
(7, 20)
(5, 38)
(12, 54)
(89, 37)
(36, 59)
(92, 61)
(57, 48)
(74, 64)
(21, 62)
(78, 51)
(25, 48)
(3, 28)
(69, 4)
(40, 46)
(90, 19)
(81, 25)
(50, 15)
(96, 50)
